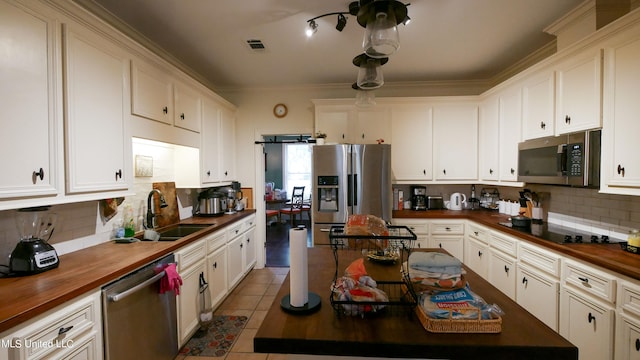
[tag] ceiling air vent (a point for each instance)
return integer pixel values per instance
(256, 45)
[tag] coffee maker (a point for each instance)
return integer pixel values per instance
(418, 197)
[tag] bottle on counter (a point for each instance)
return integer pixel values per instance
(634, 238)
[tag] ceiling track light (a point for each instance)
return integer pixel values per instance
(313, 27)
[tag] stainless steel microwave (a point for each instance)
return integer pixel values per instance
(572, 160)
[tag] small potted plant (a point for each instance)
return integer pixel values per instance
(320, 136)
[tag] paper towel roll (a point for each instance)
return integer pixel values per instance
(298, 267)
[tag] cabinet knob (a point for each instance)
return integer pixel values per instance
(444, 171)
(567, 119)
(480, 253)
(209, 173)
(424, 171)
(620, 170)
(513, 171)
(542, 125)
(591, 318)
(363, 135)
(215, 265)
(490, 171)
(225, 173)
(119, 174)
(165, 110)
(447, 228)
(440, 245)
(585, 281)
(525, 280)
(241, 245)
(248, 240)
(506, 269)
(38, 174)
(476, 233)
(182, 116)
(637, 344)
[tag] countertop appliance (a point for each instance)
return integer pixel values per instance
(139, 322)
(349, 179)
(418, 197)
(210, 203)
(33, 254)
(457, 201)
(572, 160)
(562, 234)
(435, 202)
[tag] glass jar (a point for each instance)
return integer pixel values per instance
(634, 238)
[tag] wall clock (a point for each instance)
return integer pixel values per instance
(280, 110)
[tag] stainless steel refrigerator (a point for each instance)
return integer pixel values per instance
(349, 179)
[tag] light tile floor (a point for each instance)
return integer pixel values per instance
(253, 298)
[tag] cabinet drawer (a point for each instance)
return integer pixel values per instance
(215, 241)
(234, 230)
(479, 233)
(418, 227)
(190, 255)
(447, 228)
(590, 280)
(540, 259)
(506, 244)
(629, 298)
(58, 331)
(249, 222)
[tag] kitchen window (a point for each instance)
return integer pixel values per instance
(297, 168)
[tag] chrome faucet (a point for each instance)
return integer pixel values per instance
(150, 224)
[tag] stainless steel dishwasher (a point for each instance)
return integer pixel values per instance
(139, 322)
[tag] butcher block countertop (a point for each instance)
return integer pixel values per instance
(324, 332)
(608, 256)
(89, 269)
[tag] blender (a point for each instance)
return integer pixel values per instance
(33, 254)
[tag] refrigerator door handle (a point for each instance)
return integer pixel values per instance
(355, 189)
(349, 190)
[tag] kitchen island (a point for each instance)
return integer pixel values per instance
(400, 336)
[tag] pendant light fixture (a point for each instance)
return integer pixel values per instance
(369, 71)
(380, 18)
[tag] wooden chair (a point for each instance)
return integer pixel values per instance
(294, 208)
(272, 213)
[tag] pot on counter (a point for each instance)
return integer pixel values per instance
(520, 221)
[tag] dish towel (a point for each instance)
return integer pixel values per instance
(171, 281)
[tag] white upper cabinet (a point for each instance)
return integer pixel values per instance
(578, 97)
(210, 144)
(98, 147)
(188, 107)
(538, 105)
(411, 158)
(151, 92)
(227, 148)
(488, 140)
(510, 128)
(371, 125)
(455, 141)
(333, 121)
(620, 161)
(28, 139)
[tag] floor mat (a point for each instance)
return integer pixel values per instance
(218, 339)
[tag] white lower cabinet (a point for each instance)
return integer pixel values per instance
(538, 283)
(539, 294)
(588, 324)
(217, 266)
(587, 313)
(448, 235)
(627, 336)
(191, 263)
(502, 272)
(70, 331)
(476, 249)
(241, 250)
(419, 227)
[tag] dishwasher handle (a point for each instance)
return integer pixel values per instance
(120, 296)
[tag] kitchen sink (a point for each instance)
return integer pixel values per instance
(181, 230)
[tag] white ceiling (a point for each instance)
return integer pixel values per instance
(446, 39)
